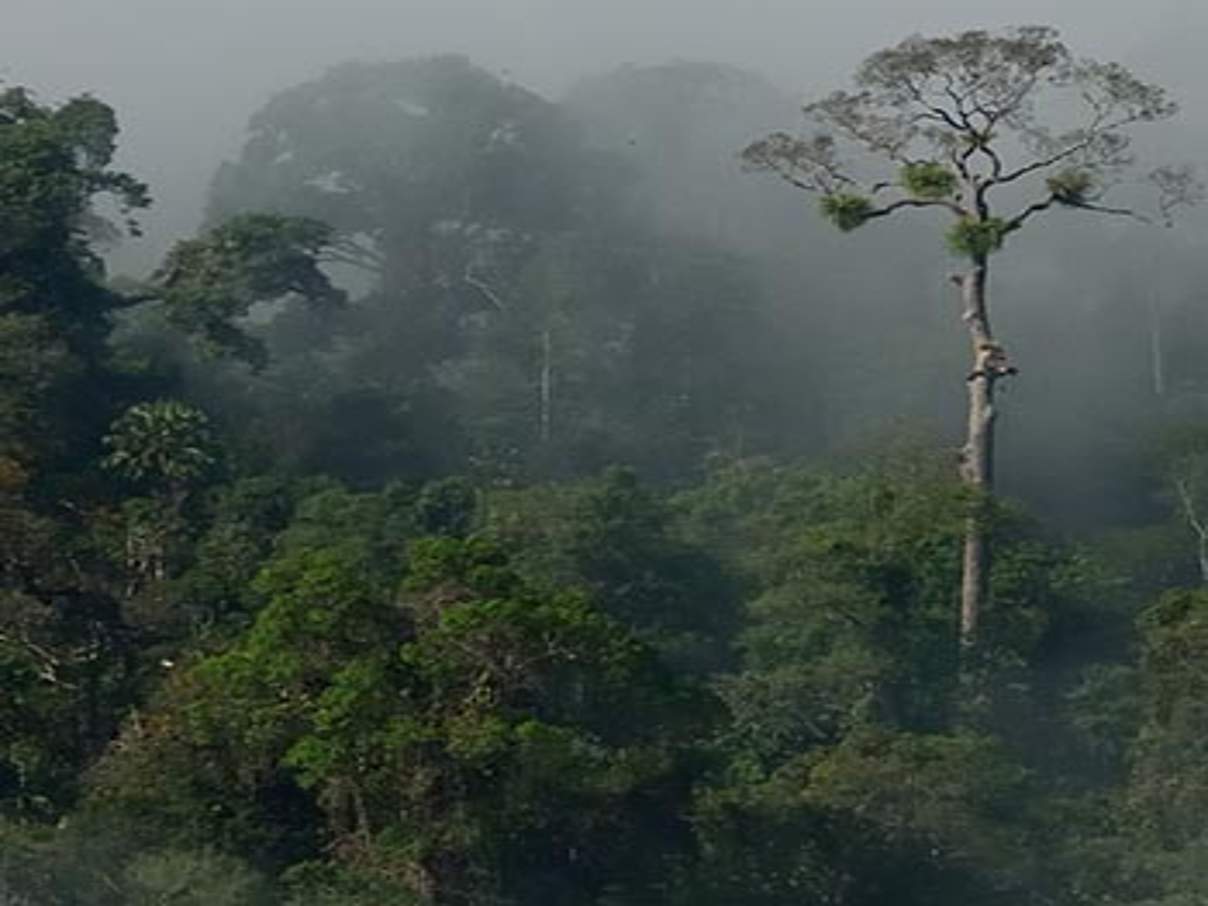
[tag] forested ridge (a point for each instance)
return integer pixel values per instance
(509, 501)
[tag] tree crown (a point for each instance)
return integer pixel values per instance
(959, 117)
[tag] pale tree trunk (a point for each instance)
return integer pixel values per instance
(1156, 352)
(977, 457)
(1196, 522)
(547, 387)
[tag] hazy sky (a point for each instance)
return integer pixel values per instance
(186, 74)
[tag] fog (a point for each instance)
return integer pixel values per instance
(185, 75)
(184, 78)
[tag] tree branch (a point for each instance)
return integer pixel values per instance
(1052, 201)
(1051, 161)
(996, 165)
(1104, 209)
(938, 112)
(1094, 132)
(1027, 213)
(348, 251)
(339, 257)
(490, 294)
(917, 203)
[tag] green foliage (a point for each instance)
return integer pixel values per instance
(37, 754)
(932, 818)
(1071, 187)
(850, 581)
(55, 161)
(35, 363)
(847, 212)
(102, 866)
(214, 587)
(55, 314)
(209, 285)
(65, 677)
(370, 527)
(856, 604)
(616, 538)
(1170, 780)
(323, 884)
(165, 443)
(545, 714)
(977, 238)
(447, 507)
(928, 179)
(193, 879)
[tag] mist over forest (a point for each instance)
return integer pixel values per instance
(546, 452)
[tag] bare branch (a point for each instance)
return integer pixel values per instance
(335, 257)
(490, 295)
(1055, 200)
(809, 164)
(1050, 161)
(1107, 209)
(1028, 213)
(1178, 187)
(860, 119)
(917, 203)
(348, 251)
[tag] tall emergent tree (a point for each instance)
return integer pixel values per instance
(966, 125)
(56, 182)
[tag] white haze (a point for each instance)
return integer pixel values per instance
(185, 75)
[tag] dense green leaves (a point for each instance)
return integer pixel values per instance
(928, 179)
(847, 212)
(54, 312)
(977, 238)
(536, 713)
(165, 442)
(209, 285)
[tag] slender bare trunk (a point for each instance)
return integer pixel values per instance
(977, 460)
(1196, 522)
(547, 386)
(1157, 354)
